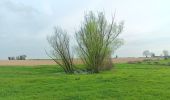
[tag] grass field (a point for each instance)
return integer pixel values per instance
(124, 82)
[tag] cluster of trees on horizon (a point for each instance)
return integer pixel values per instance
(21, 57)
(96, 40)
(164, 54)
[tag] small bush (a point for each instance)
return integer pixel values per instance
(165, 58)
(139, 62)
(149, 63)
(156, 62)
(168, 64)
(131, 62)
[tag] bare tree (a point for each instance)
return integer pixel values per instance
(152, 54)
(21, 57)
(166, 54)
(11, 58)
(97, 40)
(61, 53)
(146, 53)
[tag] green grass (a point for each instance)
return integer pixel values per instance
(164, 61)
(155, 62)
(124, 82)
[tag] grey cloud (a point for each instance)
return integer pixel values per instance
(18, 18)
(23, 29)
(18, 7)
(24, 24)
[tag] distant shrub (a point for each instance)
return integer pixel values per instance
(148, 62)
(139, 62)
(165, 58)
(156, 62)
(168, 64)
(77, 78)
(131, 62)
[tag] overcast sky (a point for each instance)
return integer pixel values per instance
(24, 24)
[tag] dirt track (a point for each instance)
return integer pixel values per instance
(51, 62)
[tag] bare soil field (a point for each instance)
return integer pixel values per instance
(51, 62)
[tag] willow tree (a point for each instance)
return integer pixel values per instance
(97, 40)
(61, 52)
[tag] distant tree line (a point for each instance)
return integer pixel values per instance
(164, 54)
(21, 57)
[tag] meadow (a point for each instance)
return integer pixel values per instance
(138, 81)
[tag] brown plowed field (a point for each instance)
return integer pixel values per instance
(51, 62)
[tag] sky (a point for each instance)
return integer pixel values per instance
(25, 24)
